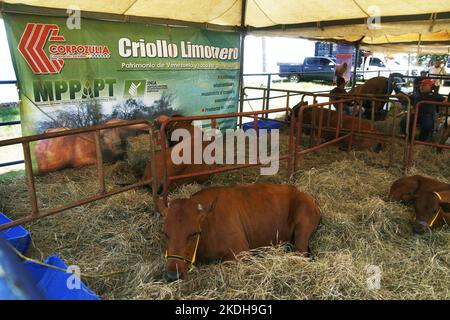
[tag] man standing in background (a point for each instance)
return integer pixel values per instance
(437, 70)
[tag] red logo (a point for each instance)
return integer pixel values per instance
(36, 36)
(32, 44)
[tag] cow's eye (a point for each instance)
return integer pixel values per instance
(193, 234)
(166, 235)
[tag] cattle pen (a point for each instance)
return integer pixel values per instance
(81, 64)
(119, 238)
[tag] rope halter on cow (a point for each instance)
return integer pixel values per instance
(190, 261)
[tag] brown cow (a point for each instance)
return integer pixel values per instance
(365, 125)
(79, 150)
(432, 210)
(377, 85)
(220, 222)
(176, 169)
(407, 189)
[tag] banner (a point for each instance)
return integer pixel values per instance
(103, 70)
(344, 61)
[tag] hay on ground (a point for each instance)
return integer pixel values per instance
(359, 229)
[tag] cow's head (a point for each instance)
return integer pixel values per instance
(182, 231)
(113, 147)
(430, 211)
(404, 189)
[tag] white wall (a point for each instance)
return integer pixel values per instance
(278, 49)
(8, 93)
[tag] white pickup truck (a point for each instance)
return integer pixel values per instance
(372, 67)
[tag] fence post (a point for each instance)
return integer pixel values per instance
(30, 179)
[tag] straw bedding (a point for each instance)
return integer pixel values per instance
(359, 228)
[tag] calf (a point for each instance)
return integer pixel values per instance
(172, 168)
(407, 189)
(331, 117)
(432, 210)
(218, 223)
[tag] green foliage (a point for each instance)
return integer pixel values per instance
(9, 112)
(426, 58)
(11, 175)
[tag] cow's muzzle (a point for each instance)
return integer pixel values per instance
(420, 227)
(172, 276)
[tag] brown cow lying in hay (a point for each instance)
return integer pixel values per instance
(407, 189)
(365, 125)
(218, 223)
(432, 210)
(78, 150)
(421, 192)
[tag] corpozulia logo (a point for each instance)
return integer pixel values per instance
(36, 36)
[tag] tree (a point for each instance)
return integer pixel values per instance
(87, 113)
(426, 58)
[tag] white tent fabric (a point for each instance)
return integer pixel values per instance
(402, 22)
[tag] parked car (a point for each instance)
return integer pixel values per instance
(312, 68)
(372, 67)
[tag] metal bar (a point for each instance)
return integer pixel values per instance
(220, 170)
(355, 64)
(291, 144)
(313, 126)
(8, 82)
(25, 141)
(413, 134)
(100, 169)
(372, 120)
(49, 212)
(287, 104)
(12, 163)
(319, 130)
(30, 179)
(69, 132)
(339, 120)
(269, 80)
(9, 123)
(323, 145)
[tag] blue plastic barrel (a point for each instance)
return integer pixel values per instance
(17, 236)
(15, 281)
(57, 284)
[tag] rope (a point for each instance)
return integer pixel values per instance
(85, 275)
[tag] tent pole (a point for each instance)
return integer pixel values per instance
(241, 67)
(355, 64)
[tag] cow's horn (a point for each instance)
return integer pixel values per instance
(199, 207)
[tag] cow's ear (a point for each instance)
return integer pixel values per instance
(162, 207)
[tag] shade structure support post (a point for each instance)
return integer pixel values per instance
(243, 32)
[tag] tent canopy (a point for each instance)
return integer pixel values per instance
(402, 23)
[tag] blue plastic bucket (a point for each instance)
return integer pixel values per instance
(54, 283)
(17, 236)
(263, 124)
